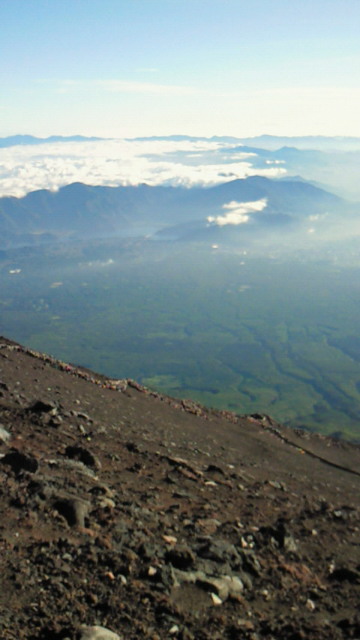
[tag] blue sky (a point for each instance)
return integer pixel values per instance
(123, 68)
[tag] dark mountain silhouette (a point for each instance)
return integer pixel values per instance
(91, 211)
(154, 518)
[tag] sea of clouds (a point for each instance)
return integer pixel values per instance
(117, 162)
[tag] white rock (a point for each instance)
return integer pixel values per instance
(216, 600)
(97, 633)
(174, 629)
(4, 435)
(235, 585)
(310, 605)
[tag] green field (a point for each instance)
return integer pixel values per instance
(242, 332)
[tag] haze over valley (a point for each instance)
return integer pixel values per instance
(223, 278)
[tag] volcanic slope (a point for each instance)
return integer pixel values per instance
(156, 518)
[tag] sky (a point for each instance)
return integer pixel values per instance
(128, 68)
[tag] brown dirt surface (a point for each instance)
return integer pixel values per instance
(157, 518)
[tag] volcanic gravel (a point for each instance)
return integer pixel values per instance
(128, 514)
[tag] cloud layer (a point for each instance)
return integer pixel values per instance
(238, 212)
(122, 162)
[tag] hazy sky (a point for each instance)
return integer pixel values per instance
(124, 68)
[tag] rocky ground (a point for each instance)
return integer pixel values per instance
(129, 514)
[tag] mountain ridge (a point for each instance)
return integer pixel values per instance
(99, 210)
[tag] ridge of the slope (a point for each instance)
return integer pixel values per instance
(298, 438)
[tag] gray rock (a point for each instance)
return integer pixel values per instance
(275, 484)
(235, 585)
(190, 577)
(73, 465)
(250, 562)
(84, 416)
(73, 510)
(165, 576)
(220, 551)
(223, 586)
(246, 580)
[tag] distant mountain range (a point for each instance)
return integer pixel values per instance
(340, 143)
(12, 141)
(268, 142)
(305, 142)
(82, 211)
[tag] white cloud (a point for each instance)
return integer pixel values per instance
(317, 216)
(98, 263)
(239, 212)
(121, 162)
(274, 161)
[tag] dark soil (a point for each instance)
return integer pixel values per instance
(156, 518)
